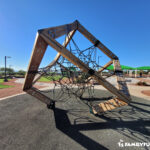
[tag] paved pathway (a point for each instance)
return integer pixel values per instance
(18, 83)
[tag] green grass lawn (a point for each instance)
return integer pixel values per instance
(4, 86)
(44, 79)
(2, 80)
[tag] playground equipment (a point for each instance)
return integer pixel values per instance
(74, 70)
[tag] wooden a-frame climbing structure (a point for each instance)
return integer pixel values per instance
(47, 37)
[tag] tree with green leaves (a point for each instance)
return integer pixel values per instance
(9, 71)
(21, 72)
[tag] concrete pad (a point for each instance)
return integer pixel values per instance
(26, 124)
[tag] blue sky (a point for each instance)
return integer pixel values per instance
(122, 25)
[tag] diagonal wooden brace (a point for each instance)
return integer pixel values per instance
(67, 40)
(40, 47)
(73, 59)
(36, 57)
(96, 42)
(120, 78)
(35, 93)
(105, 66)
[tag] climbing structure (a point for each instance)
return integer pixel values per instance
(77, 69)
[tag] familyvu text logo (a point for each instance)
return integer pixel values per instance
(121, 143)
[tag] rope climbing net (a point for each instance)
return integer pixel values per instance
(68, 78)
(75, 70)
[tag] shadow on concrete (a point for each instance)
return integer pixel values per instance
(132, 121)
(23, 116)
(73, 131)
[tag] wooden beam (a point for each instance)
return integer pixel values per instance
(107, 106)
(38, 76)
(38, 51)
(64, 52)
(67, 40)
(120, 78)
(111, 88)
(58, 31)
(91, 38)
(35, 93)
(105, 66)
(73, 59)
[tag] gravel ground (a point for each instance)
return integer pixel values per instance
(26, 124)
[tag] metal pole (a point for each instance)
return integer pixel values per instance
(5, 80)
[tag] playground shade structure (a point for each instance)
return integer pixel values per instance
(123, 67)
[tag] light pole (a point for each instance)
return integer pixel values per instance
(5, 79)
(9, 70)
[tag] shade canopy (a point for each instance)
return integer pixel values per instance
(111, 67)
(143, 68)
(123, 67)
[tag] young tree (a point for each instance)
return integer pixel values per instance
(21, 72)
(9, 71)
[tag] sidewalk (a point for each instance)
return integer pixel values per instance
(16, 89)
(139, 91)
